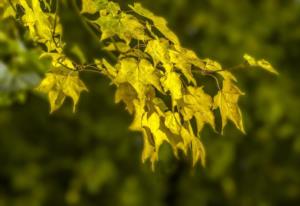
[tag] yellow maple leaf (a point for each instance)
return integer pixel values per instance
(227, 101)
(40, 25)
(172, 82)
(158, 49)
(194, 144)
(183, 64)
(173, 122)
(152, 122)
(138, 74)
(159, 22)
(59, 86)
(196, 103)
(126, 93)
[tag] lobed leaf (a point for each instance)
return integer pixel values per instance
(58, 87)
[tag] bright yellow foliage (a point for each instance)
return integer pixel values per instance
(227, 101)
(196, 103)
(58, 87)
(159, 22)
(155, 77)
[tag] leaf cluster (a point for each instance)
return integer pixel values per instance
(155, 77)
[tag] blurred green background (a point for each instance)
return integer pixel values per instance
(91, 158)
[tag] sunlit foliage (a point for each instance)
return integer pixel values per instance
(155, 77)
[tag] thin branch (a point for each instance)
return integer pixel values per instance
(217, 81)
(240, 66)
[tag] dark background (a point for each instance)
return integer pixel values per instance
(91, 158)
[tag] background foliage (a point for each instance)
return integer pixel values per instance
(91, 158)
